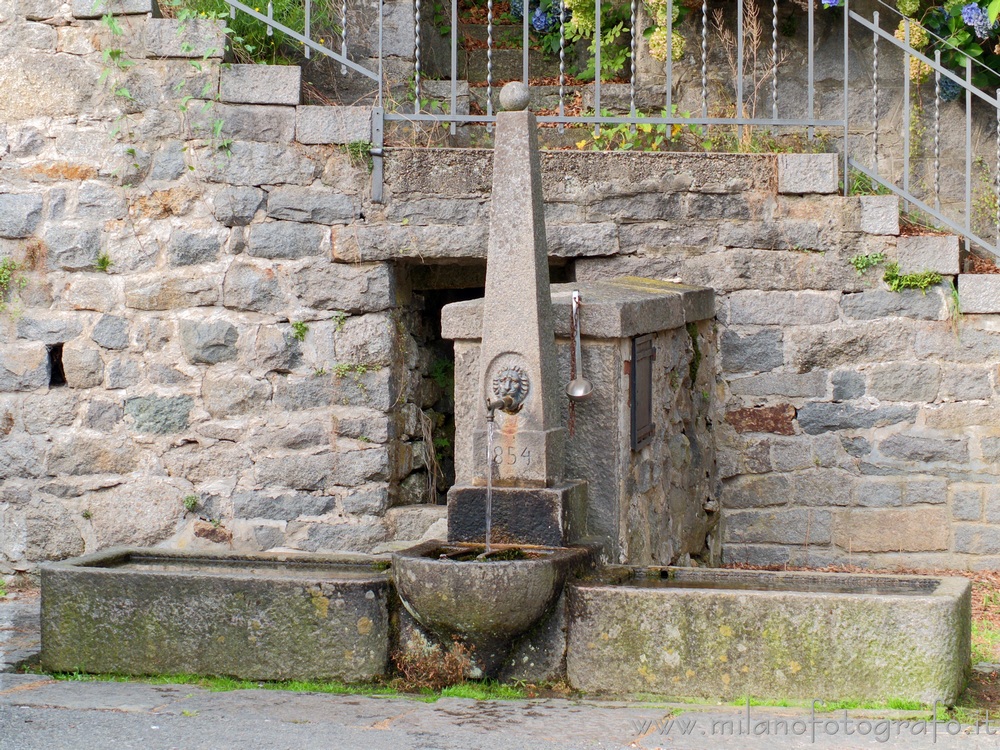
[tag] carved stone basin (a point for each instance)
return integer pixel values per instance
(486, 603)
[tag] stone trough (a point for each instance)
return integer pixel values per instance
(770, 635)
(258, 617)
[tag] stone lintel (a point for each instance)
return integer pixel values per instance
(619, 308)
(545, 516)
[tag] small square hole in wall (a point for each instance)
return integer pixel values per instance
(57, 376)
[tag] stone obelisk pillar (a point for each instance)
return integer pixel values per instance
(518, 382)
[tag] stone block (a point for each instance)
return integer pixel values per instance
(912, 530)
(72, 248)
(49, 328)
(19, 214)
(170, 291)
(288, 239)
(979, 292)
(298, 471)
(85, 454)
(878, 492)
(749, 492)
(318, 206)
(360, 536)
(412, 522)
(99, 202)
(262, 622)
(753, 352)
(24, 366)
(781, 308)
(103, 415)
(253, 287)
(839, 345)
(818, 416)
(246, 122)
(236, 206)
(777, 419)
(82, 364)
(847, 385)
(919, 253)
(351, 288)
(911, 303)
(967, 503)
(111, 332)
(808, 173)
(208, 342)
(977, 539)
(168, 163)
(159, 415)
(788, 385)
(925, 449)
(193, 38)
(905, 382)
(992, 504)
(320, 124)
(280, 507)
(192, 248)
(542, 516)
(261, 84)
(778, 526)
(880, 214)
(229, 394)
(365, 243)
(98, 8)
(369, 499)
(965, 383)
(251, 163)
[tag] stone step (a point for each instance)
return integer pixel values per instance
(412, 522)
(261, 84)
(940, 253)
(979, 292)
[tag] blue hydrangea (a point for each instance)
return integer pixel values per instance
(831, 3)
(542, 21)
(977, 17)
(950, 91)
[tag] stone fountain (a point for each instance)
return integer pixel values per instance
(517, 506)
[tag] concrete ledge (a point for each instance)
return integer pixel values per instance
(99, 8)
(261, 84)
(622, 308)
(319, 125)
(936, 252)
(807, 173)
(727, 634)
(258, 617)
(979, 292)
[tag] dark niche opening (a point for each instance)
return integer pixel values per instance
(57, 376)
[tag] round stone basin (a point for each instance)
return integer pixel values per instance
(487, 603)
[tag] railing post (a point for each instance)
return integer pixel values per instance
(376, 152)
(847, 66)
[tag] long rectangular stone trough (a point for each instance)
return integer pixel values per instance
(769, 635)
(259, 617)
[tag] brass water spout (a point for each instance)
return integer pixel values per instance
(506, 402)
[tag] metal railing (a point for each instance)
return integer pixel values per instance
(722, 98)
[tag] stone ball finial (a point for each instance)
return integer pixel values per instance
(514, 96)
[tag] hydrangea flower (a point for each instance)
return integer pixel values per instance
(919, 70)
(950, 91)
(908, 8)
(542, 21)
(831, 3)
(977, 17)
(919, 38)
(658, 45)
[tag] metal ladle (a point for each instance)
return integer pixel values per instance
(579, 388)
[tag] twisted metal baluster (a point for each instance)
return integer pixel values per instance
(669, 109)
(937, 131)
(996, 187)
(875, 94)
(562, 62)
(489, 63)
(343, 36)
(704, 58)
(774, 60)
(631, 83)
(416, 55)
